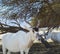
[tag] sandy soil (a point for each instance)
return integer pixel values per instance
(39, 48)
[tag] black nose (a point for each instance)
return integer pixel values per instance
(39, 39)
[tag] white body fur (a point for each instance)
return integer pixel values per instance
(19, 42)
(54, 35)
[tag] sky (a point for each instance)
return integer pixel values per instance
(9, 22)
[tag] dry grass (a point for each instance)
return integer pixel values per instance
(39, 48)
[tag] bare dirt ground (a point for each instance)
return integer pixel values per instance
(39, 48)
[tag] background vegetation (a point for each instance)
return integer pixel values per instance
(46, 12)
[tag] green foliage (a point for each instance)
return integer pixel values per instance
(34, 22)
(49, 15)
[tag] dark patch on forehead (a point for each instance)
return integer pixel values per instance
(36, 29)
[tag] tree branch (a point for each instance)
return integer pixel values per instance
(12, 29)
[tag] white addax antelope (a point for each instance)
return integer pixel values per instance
(19, 42)
(54, 35)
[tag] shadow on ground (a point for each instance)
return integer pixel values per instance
(39, 48)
